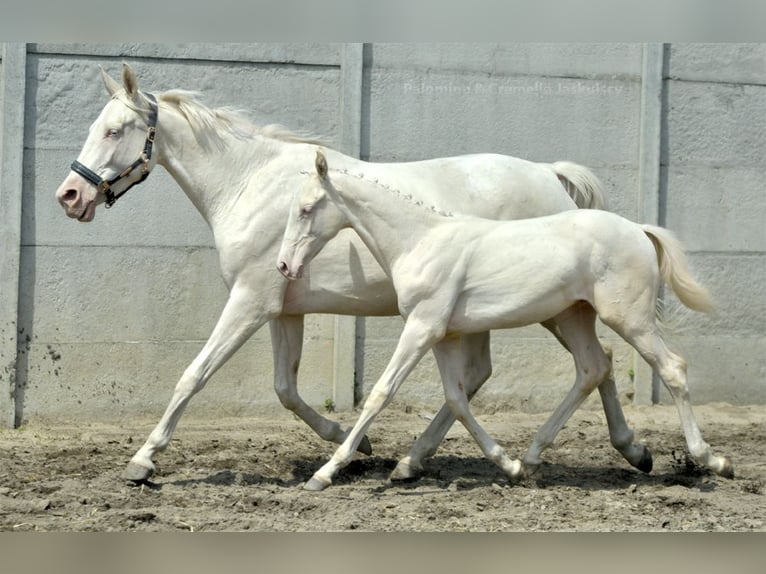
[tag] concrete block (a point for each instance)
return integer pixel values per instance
(114, 381)
(585, 60)
(716, 208)
(422, 114)
(69, 94)
(736, 63)
(721, 125)
(325, 54)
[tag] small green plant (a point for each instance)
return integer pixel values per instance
(329, 405)
(631, 375)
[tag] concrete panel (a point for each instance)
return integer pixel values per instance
(282, 53)
(113, 294)
(721, 62)
(716, 124)
(717, 208)
(422, 114)
(113, 381)
(602, 60)
(65, 95)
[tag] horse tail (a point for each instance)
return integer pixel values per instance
(581, 184)
(675, 270)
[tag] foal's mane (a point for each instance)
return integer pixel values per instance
(407, 198)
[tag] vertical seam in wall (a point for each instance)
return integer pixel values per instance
(344, 336)
(11, 178)
(649, 171)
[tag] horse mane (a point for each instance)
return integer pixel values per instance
(208, 124)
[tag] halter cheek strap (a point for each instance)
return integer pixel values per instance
(105, 186)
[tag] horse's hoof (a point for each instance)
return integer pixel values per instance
(528, 470)
(137, 473)
(316, 484)
(727, 471)
(646, 463)
(365, 447)
(405, 472)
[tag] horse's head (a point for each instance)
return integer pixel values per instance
(313, 220)
(117, 153)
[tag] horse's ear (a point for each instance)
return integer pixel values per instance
(321, 164)
(111, 85)
(129, 80)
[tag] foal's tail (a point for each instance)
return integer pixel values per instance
(675, 271)
(581, 184)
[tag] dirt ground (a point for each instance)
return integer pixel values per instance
(245, 474)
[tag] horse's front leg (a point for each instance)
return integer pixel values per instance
(243, 314)
(473, 361)
(287, 344)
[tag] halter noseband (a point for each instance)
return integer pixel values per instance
(106, 185)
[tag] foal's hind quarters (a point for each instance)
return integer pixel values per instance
(452, 279)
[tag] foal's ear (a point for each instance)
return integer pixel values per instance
(111, 85)
(129, 80)
(321, 164)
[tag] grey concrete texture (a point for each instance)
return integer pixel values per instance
(113, 311)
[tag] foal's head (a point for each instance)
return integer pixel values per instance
(313, 220)
(117, 141)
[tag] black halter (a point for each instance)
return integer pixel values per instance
(106, 185)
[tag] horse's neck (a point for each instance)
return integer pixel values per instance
(213, 176)
(388, 222)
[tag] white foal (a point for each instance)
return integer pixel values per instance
(459, 275)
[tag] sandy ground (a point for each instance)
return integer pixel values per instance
(245, 474)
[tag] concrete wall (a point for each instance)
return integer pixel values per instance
(101, 319)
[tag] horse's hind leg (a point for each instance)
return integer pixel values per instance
(672, 371)
(449, 361)
(287, 343)
(593, 367)
(471, 357)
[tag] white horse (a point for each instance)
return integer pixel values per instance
(460, 275)
(240, 177)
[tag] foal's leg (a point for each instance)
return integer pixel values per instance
(471, 358)
(620, 433)
(287, 343)
(672, 371)
(450, 367)
(416, 338)
(593, 367)
(241, 317)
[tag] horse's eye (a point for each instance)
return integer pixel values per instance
(113, 133)
(306, 210)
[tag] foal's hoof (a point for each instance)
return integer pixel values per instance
(646, 463)
(137, 473)
(405, 472)
(727, 471)
(317, 484)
